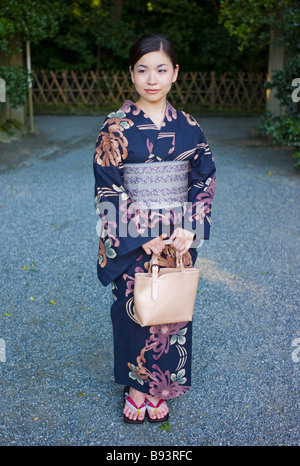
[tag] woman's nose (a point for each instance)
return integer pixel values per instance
(152, 78)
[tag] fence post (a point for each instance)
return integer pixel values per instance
(212, 89)
(28, 59)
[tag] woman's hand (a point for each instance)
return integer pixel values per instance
(155, 246)
(182, 240)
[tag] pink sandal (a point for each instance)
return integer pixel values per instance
(154, 409)
(129, 402)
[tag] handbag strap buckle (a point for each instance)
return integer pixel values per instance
(154, 265)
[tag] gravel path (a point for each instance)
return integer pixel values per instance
(56, 380)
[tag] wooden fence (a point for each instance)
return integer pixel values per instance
(100, 89)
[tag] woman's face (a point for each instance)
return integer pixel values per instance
(153, 75)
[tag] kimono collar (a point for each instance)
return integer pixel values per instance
(160, 142)
(143, 120)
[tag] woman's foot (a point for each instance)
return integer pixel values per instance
(157, 409)
(135, 408)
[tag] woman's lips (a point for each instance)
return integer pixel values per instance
(152, 91)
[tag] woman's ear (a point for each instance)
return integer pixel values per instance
(131, 73)
(175, 75)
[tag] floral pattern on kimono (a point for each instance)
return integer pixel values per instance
(130, 136)
(156, 359)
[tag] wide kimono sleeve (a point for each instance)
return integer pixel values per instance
(202, 182)
(122, 229)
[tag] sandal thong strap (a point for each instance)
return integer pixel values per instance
(132, 405)
(151, 407)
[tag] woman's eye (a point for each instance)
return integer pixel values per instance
(162, 71)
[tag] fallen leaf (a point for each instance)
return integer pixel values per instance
(25, 268)
(52, 302)
(6, 314)
(166, 426)
(32, 298)
(35, 418)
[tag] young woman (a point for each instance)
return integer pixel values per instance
(154, 179)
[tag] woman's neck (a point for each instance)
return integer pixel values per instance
(156, 110)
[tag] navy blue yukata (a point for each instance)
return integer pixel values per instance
(157, 359)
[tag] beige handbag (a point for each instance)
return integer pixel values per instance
(166, 295)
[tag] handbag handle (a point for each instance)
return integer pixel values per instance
(154, 260)
(154, 271)
(179, 261)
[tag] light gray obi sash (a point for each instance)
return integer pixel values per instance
(157, 185)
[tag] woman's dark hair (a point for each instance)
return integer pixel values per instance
(151, 43)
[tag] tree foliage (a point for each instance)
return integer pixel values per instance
(29, 19)
(99, 33)
(89, 34)
(23, 20)
(251, 22)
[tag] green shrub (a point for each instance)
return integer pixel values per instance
(285, 130)
(16, 82)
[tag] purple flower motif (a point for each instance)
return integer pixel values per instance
(129, 284)
(127, 107)
(162, 386)
(159, 340)
(130, 281)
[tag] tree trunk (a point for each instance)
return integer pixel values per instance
(275, 62)
(118, 9)
(98, 59)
